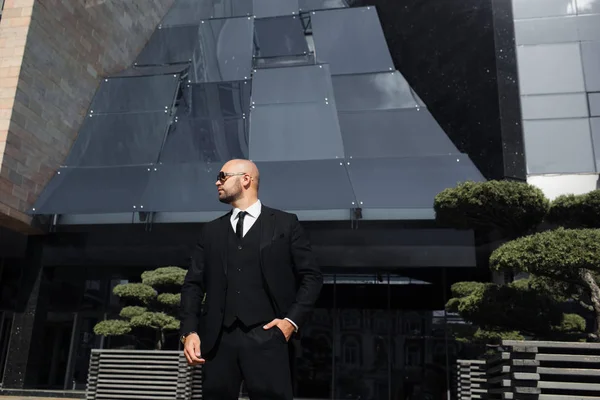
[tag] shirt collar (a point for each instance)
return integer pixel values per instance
(253, 210)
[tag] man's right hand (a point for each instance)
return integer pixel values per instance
(191, 349)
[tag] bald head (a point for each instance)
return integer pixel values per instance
(239, 186)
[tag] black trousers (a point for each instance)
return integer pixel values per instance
(256, 356)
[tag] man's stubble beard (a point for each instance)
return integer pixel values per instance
(234, 196)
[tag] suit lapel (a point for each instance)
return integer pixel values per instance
(224, 234)
(267, 228)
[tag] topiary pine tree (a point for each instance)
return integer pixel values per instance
(152, 304)
(563, 265)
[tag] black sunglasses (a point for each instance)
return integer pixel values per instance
(224, 175)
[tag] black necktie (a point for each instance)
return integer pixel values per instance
(239, 228)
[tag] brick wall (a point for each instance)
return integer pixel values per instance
(52, 56)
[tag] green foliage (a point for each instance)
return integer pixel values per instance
(571, 323)
(157, 299)
(136, 291)
(155, 320)
(132, 311)
(576, 211)
(169, 299)
(112, 328)
(164, 276)
(513, 208)
(496, 337)
(560, 254)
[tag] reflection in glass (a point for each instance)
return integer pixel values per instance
(351, 41)
(381, 91)
(224, 51)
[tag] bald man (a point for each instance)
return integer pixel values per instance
(251, 286)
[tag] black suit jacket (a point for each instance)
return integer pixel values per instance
(292, 277)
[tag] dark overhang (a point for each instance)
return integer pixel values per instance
(306, 89)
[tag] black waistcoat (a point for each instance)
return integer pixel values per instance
(246, 297)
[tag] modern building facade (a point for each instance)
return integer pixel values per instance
(116, 116)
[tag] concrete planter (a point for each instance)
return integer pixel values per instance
(138, 374)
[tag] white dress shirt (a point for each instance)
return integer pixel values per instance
(253, 212)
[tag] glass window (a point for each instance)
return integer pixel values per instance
(595, 125)
(549, 142)
(351, 41)
(216, 100)
(224, 50)
(591, 65)
(554, 106)
(547, 69)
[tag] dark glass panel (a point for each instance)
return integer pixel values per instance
(309, 5)
(393, 133)
(190, 12)
(224, 50)
(306, 185)
(93, 190)
(119, 139)
(276, 37)
(295, 131)
(135, 94)
(274, 8)
(205, 140)
(170, 45)
(351, 41)
(381, 91)
(217, 99)
(411, 182)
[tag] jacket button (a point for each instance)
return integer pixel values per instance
(239, 247)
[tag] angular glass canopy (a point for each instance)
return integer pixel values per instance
(191, 12)
(119, 139)
(223, 51)
(135, 94)
(152, 70)
(594, 102)
(351, 41)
